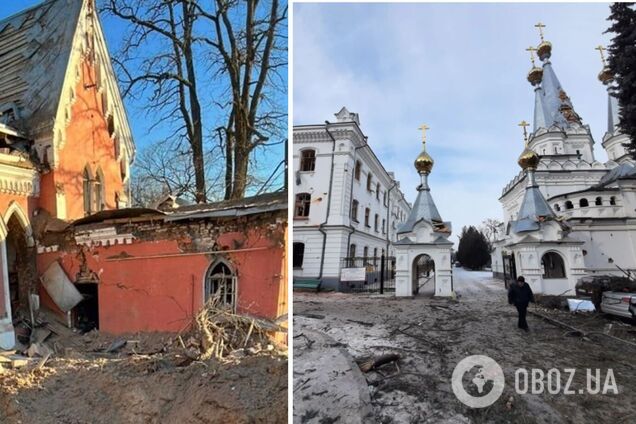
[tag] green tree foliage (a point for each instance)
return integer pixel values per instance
(473, 251)
(622, 64)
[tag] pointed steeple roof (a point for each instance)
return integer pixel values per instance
(424, 208)
(540, 118)
(606, 77)
(612, 114)
(534, 208)
(552, 105)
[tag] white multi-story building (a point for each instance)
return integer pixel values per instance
(567, 214)
(346, 203)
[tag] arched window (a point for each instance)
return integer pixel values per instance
(377, 191)
(354, 210)
(123, 163)
(358, 169)
(375, 255)
(87, 189)
(98, 191)
(569, 205)
(111, 125)
(116, 148)
(365, 254)
(385, 199)
(598, 201)
(376, 222)
(369, 181)
(583, 203)
(104, 102)
(352, 251)
(220, 283)
(613, 201)
(383, 226)
(553, 266)
(557, 207)
(367, 213)
(303, 201)
(308, 160)
(298, 254)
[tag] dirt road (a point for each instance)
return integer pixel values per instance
(433, 335)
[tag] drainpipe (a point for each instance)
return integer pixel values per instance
(388, 216)
(322, 224)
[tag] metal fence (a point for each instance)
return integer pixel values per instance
(367, 274)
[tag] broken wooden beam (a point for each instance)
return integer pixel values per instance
(377, 362)
(579, 331)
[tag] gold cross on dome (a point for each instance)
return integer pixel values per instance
(424, 127)
(540, 26)
(524, 124)
(601, 49)
(531, 50)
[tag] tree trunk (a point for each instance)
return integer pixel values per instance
(241, 156)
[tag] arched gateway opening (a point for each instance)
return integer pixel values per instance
(423, 275)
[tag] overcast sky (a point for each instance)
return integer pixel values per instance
(459, 68)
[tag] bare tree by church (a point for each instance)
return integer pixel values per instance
(188, 57)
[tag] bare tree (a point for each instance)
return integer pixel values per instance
(491, 228)
(162, 168)
(250, 47)
(178, 53)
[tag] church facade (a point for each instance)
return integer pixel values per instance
(65, 142)
(567, 213)
(69, 240)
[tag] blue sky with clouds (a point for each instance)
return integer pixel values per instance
(459, 68)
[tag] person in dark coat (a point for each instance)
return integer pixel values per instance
(520, 294)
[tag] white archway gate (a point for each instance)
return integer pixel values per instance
(408, 255)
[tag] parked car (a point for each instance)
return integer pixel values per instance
(593, 286)
(619, 303)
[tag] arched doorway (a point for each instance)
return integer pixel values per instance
(423, 275)
(553, 265)
(19, 266)
(220, 282)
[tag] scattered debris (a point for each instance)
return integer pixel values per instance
(581, 305)
(375, 363)
(116, 345)
(222, 332)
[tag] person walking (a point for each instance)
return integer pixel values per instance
(520, 294)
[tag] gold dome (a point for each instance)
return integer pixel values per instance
(544, 50)
(424, 162)
(528, 159)
(535, 75)
(605, 76)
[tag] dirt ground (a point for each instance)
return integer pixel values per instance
(433, 335)
(147, 381)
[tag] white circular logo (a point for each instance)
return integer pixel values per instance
(485, 381)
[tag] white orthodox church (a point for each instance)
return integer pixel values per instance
(567, 214)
